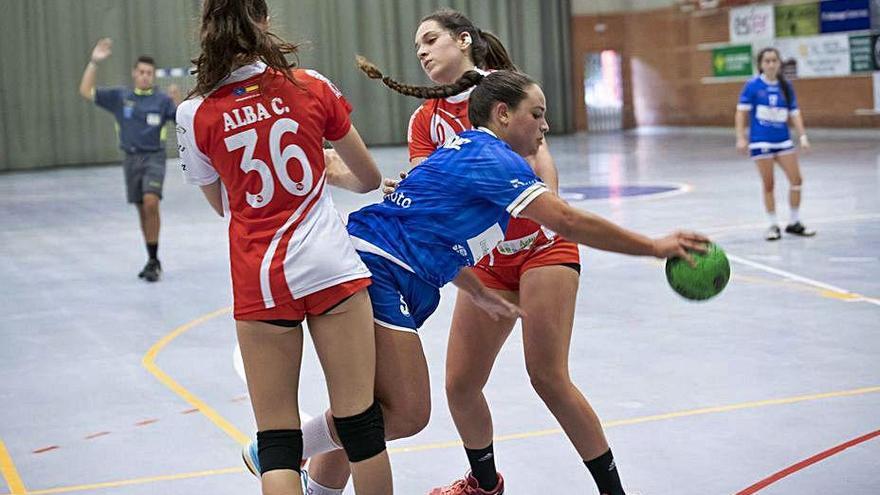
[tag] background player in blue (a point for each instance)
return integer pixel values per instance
(768, 102)
(141, 113)
(448, 213)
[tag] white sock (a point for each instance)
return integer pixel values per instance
(771, 215)
(795, 216)
(317, 438)
(315, 488)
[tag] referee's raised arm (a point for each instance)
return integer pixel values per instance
(100, 53)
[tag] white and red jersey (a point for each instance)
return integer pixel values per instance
(439, 119)
(262, 136)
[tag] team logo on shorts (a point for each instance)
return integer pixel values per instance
(404, 309)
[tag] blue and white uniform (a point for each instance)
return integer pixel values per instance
(447, 214)
(768, 114)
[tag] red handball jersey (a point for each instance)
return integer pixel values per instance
(262, 136)
(430, 126)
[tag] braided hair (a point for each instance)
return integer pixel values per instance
(467, 80)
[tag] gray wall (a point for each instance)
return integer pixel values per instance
(45, 44)
(589, 7)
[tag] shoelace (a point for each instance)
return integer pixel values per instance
(457, 487)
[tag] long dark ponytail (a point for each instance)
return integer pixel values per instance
(505, 86)
(467, 80)
(784, 85)
(487, 52)
(231, 35)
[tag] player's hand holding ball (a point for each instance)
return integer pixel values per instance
(702, 276)
(681, 244)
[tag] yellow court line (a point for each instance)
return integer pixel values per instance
(501, 438)
(136, 481)
(10, 474)
(150, 364)
(655, 417)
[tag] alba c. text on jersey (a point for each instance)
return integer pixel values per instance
(250, 114)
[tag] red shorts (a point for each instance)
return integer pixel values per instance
(316, 303)
(507, 277)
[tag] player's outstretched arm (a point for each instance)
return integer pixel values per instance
(100, 53)
(351, 166)
(594, 231)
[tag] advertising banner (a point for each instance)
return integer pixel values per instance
(844, 15)
(754, 22)
(861, 52)
(732, 61)
(797, 20)
(816, 56)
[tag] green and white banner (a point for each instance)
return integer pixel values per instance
(861, 52)
(732, 61)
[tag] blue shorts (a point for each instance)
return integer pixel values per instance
(761, 153)
(401, 301)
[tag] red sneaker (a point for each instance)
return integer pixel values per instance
(469, 486)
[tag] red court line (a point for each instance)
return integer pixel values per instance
(146, 422)
(806, 463)
(46, 449)
(96, 435)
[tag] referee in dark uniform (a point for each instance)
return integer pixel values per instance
(141, 113)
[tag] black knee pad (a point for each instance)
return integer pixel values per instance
(362, 435)
(279, 449)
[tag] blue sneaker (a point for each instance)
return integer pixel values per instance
(251, 458)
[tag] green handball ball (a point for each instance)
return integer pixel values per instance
(703, 282)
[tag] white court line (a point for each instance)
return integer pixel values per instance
(804, 280)
(854, 297)
(238, 364)
(714, 231)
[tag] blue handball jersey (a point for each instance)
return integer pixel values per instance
(451, 210)
(769, 112)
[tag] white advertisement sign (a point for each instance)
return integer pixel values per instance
(816, 56)
(755, 22)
